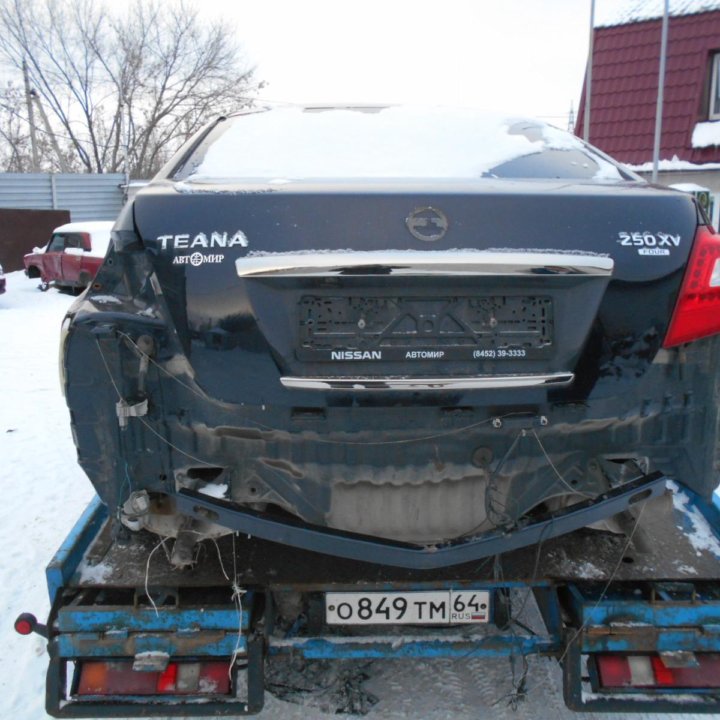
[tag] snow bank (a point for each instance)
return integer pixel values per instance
(391, 142)
(44, 489)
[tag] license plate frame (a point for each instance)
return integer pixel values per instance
(412, 607)
(499, 328)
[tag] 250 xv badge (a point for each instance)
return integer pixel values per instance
(648, 243)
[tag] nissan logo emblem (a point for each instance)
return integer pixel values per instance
(427, 223)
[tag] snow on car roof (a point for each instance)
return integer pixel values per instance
(290, 143)
(92, 226)
(99, 231)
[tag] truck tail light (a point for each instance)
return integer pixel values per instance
(697, 310)
(622, 672)
(117, 677)
(23, 625)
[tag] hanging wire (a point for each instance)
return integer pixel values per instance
(608, 583)
(495, 508)
(147, 573)
(562, 480)
(237, 595)
(142, 420)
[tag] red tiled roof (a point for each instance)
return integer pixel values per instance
(625, 83)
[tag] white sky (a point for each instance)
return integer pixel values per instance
(523, 57)
(519, 56)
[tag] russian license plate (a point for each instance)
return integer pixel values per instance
(436, 607)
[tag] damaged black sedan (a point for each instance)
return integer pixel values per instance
(408, 336)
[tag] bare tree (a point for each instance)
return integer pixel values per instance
(123, 87)
(14, 135)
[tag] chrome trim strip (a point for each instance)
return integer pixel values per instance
(416, 262)
(479, 382)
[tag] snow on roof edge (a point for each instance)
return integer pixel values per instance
(674, 164)
(648, 10)
(706, 134)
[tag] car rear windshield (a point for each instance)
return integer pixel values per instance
(286, 144)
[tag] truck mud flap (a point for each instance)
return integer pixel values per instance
(373, 550)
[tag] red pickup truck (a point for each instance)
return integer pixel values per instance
(72, 256)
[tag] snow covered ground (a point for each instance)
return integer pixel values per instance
(43, 486)
(44, 492)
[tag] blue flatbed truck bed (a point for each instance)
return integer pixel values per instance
(633, 618)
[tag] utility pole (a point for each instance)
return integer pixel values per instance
(31, 119)
(588, 74)
(661, 92)
(125, 139)
(53, 140)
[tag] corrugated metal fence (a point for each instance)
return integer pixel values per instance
(85, 196)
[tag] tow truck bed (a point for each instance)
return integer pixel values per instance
(608, 601)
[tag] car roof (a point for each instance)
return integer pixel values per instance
(90, 227)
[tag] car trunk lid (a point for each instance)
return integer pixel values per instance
(365, 286)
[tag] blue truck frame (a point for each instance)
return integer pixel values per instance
(583, 618)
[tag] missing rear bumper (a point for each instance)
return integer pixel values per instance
(383, 552)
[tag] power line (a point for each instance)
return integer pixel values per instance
(20, 116)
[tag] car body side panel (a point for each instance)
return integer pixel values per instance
(51, 266)
(71, 265)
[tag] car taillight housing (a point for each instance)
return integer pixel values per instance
(697, 311)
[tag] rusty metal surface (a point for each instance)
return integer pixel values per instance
(22, 230)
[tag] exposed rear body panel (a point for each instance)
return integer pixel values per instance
(416, 361)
